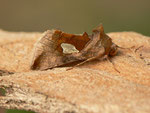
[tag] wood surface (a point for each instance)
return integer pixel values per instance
(94, 87)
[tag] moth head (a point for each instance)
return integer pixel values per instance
(113, 50)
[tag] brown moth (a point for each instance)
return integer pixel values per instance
(49, 52)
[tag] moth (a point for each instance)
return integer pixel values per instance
(49, 52)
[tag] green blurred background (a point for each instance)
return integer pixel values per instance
(75, 16)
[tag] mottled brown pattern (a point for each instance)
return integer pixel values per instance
(49, 53)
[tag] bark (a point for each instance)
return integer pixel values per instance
(94, 87)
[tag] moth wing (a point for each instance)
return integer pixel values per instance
(93, 49)
(45, 53)
(48, 55)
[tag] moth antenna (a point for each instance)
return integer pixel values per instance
(108, 59)
(140, 55)
(125, 48)
(129, 48)
(82, 63)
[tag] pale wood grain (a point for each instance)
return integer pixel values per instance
(94, 87)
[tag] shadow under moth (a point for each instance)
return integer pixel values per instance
(56, 48)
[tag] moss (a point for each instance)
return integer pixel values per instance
(18, 111)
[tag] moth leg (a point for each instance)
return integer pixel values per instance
(108, 59)
(138, 48)
(87, 60)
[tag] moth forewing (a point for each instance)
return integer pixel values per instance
(50, 51)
